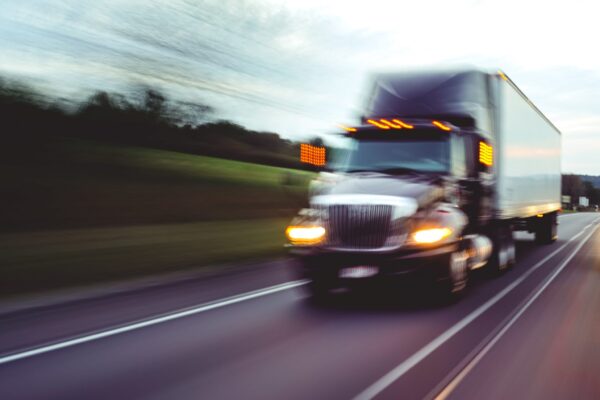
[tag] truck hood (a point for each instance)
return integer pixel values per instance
(423, 191)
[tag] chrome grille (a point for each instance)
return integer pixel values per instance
(359, 226)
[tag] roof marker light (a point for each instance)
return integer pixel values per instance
(502, 75)
(347, 128)
(403, 124)
(390, 124)
(377, 124)
(441, 126)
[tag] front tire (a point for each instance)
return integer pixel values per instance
(457, 275)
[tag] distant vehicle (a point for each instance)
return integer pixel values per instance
(443, 167)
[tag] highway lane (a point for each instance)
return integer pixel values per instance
(556, 340)
(280, 346)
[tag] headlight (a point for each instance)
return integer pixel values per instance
(305, 234)
(431, 235)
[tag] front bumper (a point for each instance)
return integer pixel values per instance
(322, 264)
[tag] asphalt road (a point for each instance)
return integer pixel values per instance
(531, 333)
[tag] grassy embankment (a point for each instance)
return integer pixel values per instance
(78, 213)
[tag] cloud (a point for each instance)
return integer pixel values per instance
(298, 67)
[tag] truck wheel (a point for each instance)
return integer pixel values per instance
(546, 229)
(458, 275)
(504, 253)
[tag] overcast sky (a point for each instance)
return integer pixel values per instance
(298, 67)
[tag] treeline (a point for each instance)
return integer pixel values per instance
(576, 186)
(145, 118)
(594, 179)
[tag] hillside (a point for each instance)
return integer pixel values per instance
(595, 179)
(72, 183)
(78, 212)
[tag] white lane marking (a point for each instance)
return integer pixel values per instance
(469, 367)
(153, 321)
(405, 366)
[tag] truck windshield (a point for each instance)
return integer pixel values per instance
(430, 155)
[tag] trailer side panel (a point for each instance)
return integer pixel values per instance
(527, 157)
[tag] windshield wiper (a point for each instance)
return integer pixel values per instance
(401, 170)
(361, 170)
(391, 171)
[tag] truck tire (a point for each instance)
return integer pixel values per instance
(504, 253)
(546, 229)
(457, 275)
(459, 272)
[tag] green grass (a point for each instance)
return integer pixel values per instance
(77, 213)
(162, 164)
(48, 260)
(73, 184)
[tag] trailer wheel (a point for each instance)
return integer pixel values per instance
(546, 229)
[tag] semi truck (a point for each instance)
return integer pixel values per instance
(442, 168)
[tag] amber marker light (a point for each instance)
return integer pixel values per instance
(441, 126)
(390, 124)
(314, 155)
(347, 128)
(502, 75)
(402, 123)
(305, 235)
(378, 124)
(427, 236)
(486, 154)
